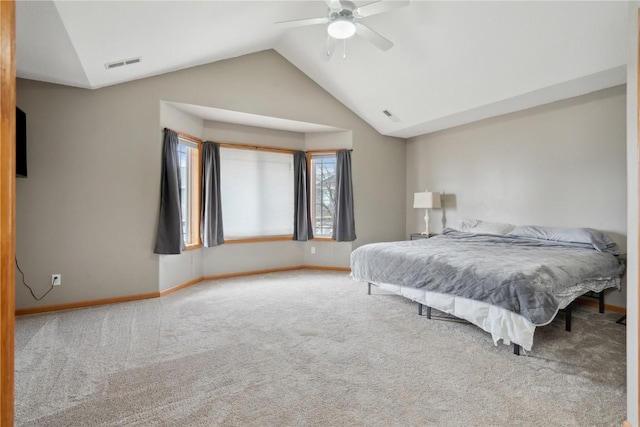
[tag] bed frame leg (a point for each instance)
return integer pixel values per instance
(601, 302)
(567, 317)
(419, 309)
(516, 349)
(428, 312)
(368, 288)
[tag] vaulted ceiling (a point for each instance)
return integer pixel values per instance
(451, 63)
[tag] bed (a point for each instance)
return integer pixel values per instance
(507, 283)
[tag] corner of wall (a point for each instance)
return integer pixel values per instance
(633, 218)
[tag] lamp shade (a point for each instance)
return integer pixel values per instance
(426, 200)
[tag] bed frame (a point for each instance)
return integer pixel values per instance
(516, 348)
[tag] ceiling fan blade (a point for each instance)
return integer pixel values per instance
(373, 37)
(334, 4)
(379, 7)
(302, 22)
(329, 48)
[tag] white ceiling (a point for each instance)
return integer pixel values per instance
(452, 63)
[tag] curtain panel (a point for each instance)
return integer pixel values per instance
(302, 226)
(169, 234)
(211, 232)
(344, 227)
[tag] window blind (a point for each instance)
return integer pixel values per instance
(257, 193)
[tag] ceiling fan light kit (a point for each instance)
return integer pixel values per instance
(341, 29)
(343, 19)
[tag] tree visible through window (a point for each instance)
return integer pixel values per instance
(323, 192)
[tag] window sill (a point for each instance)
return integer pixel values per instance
(325, 239)
(259, 239)
(192, 247)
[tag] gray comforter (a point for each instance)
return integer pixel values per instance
(527, 276)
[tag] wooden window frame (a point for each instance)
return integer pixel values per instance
(195, 190)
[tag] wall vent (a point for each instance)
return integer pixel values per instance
(122, 63)
(391, 116)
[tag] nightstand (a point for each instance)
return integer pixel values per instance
(417, 236)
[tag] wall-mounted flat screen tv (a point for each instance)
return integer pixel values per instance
(21, 143)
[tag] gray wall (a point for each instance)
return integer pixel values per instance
(89, 207)
(633, 218)
(562, 164)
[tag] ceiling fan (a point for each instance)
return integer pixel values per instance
(343, 19)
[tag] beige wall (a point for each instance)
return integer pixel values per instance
(251, 135)
(89, 207)
(562, 164)
(175, 119)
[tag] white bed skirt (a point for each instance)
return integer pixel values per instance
(502, 324)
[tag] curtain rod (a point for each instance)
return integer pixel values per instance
(257, 147)
(239, 146)
(186, 136)
(328, 150)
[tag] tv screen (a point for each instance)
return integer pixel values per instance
(21, 143)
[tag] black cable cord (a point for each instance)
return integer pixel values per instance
(29, 287)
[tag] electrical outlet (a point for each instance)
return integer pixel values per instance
(56, 279)
(313, 249)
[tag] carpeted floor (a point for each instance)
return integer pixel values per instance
(307, 348)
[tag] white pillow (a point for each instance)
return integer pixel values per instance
(483, 227)
(587, 236)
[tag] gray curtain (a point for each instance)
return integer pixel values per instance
(302, 228)
(169, 235)
(211, 212)
(344, 227)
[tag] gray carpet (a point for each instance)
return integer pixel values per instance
(307, 348)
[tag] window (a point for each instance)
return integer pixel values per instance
(257, 193)
(323, 192)
(189, 160)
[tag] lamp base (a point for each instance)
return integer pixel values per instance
(426, 222)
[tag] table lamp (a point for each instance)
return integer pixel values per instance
(426, 201)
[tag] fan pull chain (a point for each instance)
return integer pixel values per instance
(344, 49)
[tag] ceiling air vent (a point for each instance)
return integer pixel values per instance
(391, 116)
(122, 63)
(114, 65)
